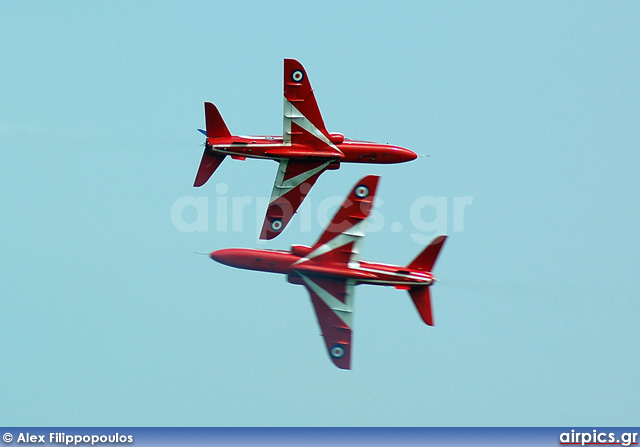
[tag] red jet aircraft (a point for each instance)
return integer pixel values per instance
(331, 268)
(304, 151)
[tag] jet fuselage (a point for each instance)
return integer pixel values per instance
(273, 147)
(291, 263)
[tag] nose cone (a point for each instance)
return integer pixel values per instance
(402, 155)
(226, 256)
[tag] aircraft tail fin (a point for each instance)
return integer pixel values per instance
(421, 297)
(426, 260)
(216, 128)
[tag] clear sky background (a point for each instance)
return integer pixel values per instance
(531, 109)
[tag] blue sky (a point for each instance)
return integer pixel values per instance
(528, 110)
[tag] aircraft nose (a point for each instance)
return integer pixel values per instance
(222, 256)
(402, 155)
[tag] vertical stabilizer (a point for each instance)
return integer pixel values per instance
(216, 128)
(426, 260)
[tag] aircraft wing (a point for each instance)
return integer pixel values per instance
(293, 182)
(332, 300)
(302, 122)
(340, 243)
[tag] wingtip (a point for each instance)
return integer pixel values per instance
(343, 362)
(294, 74)
(273, 226)
(344, 368)
(267, 235)
(440, 240)
(365, 188)
(374, 179)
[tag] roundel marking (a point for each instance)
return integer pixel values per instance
(297, 75)
(276, 224)
(337, 352)
(361, 191)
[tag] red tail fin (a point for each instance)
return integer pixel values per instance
(216, 128)
(421, 297)
(426, 259)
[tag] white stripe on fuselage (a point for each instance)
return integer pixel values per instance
(417, 279)
(223, 150)
(392, 282)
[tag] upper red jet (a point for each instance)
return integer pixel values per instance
(305, 150)
(331, 269)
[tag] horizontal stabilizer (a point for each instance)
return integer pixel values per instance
(208, 165)
(421, 297)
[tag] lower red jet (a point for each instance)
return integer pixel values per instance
(331, 268)
(304, 151)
